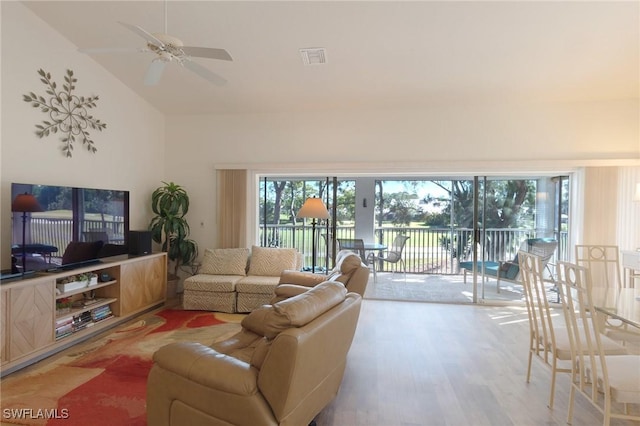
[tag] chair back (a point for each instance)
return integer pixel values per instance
(603, 264)
(354, 244)
(544, 248)
(582, 327)
(541, 328)
(394, 254)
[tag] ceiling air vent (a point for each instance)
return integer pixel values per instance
(313, 56)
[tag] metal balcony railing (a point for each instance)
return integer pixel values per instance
(428, 250)
(58, 232)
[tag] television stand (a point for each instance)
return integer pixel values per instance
(41, 314)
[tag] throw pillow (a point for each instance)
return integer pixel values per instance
(270, 262)
(225, 261)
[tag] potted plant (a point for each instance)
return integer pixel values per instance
(170, 203)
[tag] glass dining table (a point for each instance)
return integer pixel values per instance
(348, 244)
(361, 247)
(622, 304)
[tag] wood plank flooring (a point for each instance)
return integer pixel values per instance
(443, 364)
(431, 364)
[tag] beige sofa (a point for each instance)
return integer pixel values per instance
(238, 279)
(283, 368)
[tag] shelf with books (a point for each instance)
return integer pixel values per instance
(96, 303)
(83, 317)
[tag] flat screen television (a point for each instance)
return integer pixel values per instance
(76, 226)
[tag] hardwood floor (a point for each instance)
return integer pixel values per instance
(430, 364)
(443, 364)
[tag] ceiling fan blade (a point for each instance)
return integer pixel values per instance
(154, 72)
(207, 52)
(204, 73)
(99, 50)
(143, 33)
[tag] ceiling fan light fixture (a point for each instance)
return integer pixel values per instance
(314, 55)
(164, 56)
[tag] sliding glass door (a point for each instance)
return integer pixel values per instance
(508, 215)
(460, 228)
(280, 201)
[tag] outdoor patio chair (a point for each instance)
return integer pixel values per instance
(393, 255)
(354, 244)
(510, 270)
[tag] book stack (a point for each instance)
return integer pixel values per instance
(101, 313)
(81, 321)
(64, 327)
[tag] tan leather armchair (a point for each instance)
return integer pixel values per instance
(283, 368)
(349, 270)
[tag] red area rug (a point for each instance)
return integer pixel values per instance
(103, 382)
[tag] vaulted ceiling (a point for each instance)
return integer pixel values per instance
(383, 54)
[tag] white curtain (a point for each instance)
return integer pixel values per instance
(628, 219)
(610, 215)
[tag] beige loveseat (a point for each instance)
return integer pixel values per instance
(238, 279)
(282, 368)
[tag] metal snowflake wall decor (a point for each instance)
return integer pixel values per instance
(68, 113)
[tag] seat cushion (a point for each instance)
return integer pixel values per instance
(232, 261)
(255, 284)
(624, 376)
(490, 268)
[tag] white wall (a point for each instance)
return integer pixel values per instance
(131, 150)
(462, 139)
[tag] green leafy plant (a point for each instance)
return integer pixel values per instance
(170, 203)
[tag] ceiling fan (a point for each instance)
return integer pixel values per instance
(169, 49)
